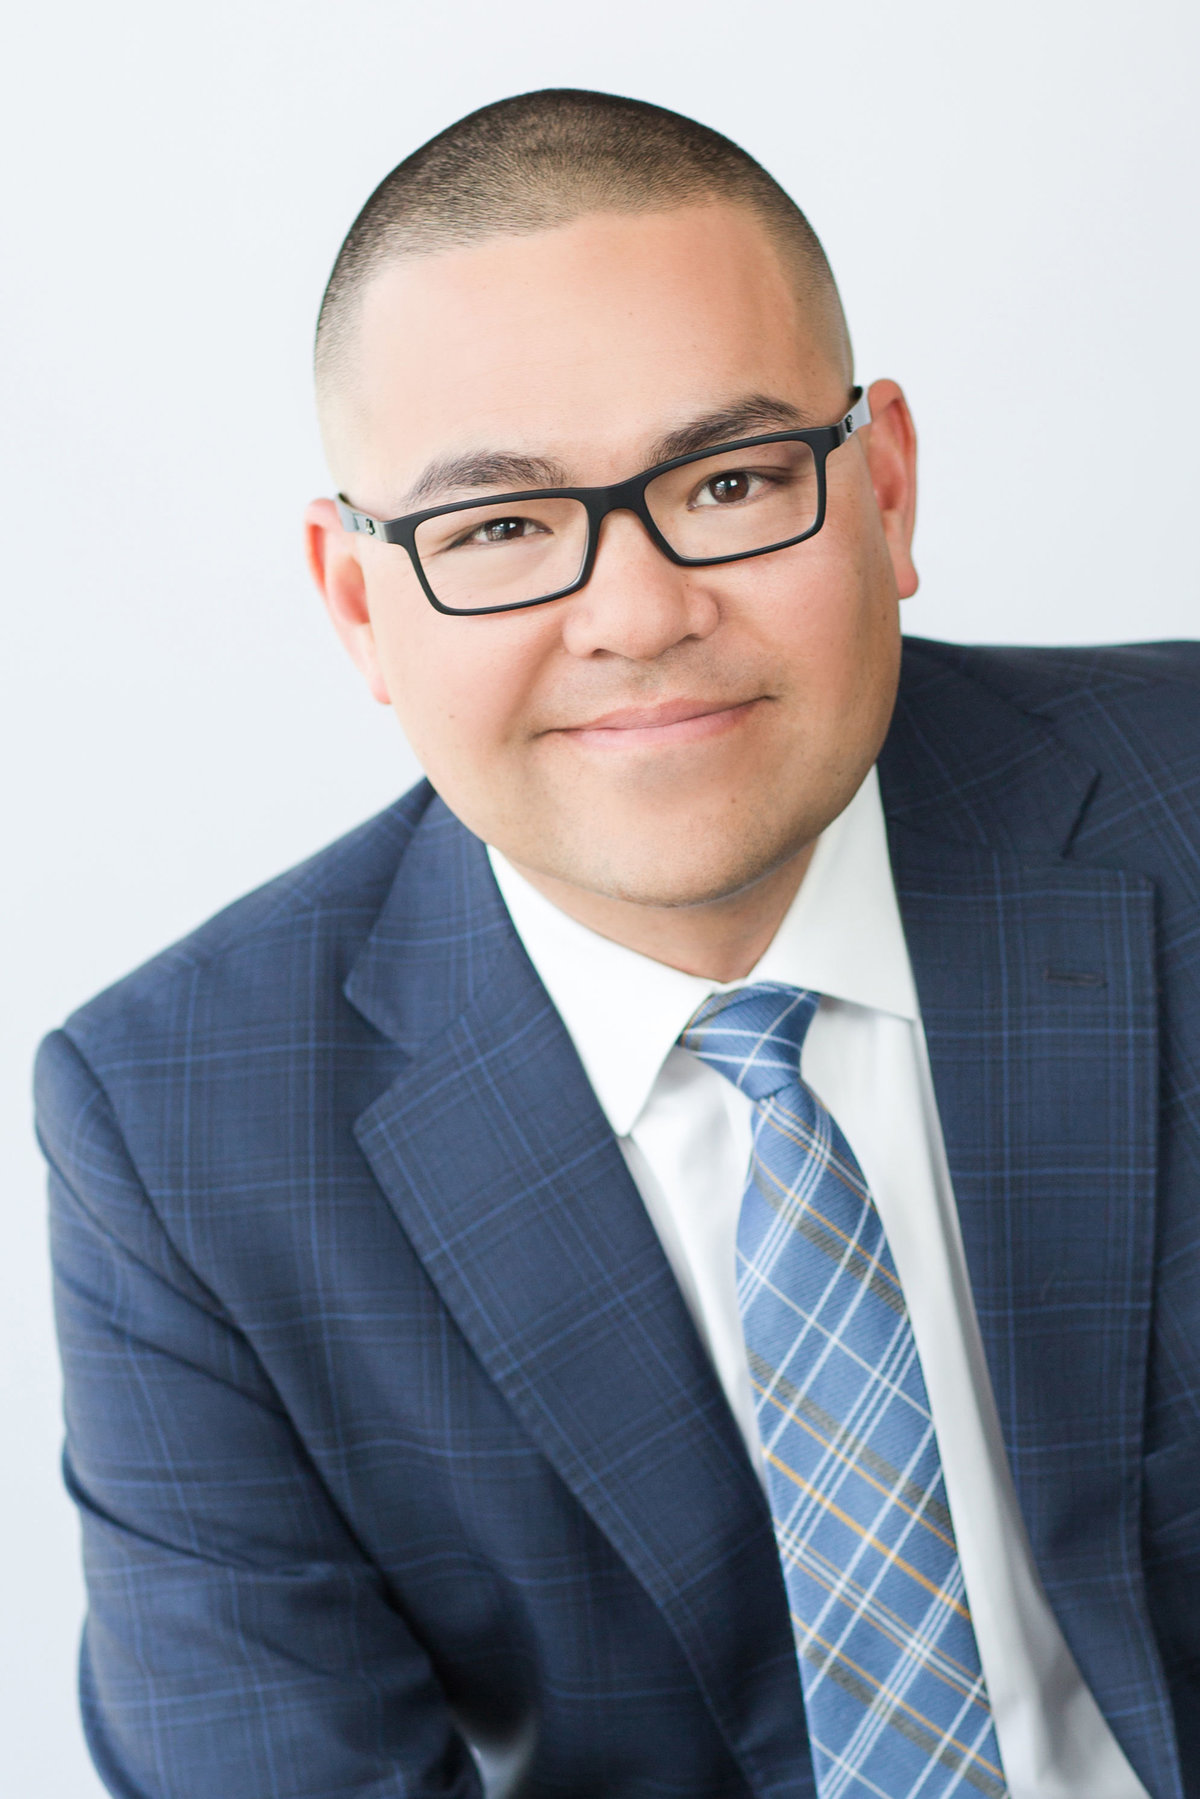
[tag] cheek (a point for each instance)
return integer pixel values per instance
(813, 606)
(458, 686)
(827, 618)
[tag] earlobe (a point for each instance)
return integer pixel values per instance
(892, 459)
(336, 569)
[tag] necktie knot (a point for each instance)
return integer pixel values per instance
(754, 1035)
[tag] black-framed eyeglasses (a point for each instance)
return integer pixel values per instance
(723, 504)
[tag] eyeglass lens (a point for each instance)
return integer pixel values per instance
(734, 504)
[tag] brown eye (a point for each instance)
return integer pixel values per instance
(731, 487)
(498, 531)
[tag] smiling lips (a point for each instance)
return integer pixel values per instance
(676, 721)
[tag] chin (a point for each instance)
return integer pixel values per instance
(673, 873)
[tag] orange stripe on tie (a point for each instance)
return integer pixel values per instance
(867, 1536)
(970, 1756)
(889, 1493)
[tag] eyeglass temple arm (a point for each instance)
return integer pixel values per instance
(859, 414)
(359, 521)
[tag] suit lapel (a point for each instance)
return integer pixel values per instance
(1037, 987)
(504, 1172)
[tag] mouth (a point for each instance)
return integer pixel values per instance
(672, 722)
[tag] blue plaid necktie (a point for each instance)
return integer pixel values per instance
(893, 1690)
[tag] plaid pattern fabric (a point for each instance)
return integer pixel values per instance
(893, 1688)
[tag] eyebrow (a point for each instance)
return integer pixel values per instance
(496, 470)
(757, 412)
(499, 471)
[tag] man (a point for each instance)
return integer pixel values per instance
(667, 1263)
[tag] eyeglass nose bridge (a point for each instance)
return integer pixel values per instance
(623, 496)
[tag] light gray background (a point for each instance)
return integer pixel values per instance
(1007, 195)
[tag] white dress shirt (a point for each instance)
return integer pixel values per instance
(685, 1130)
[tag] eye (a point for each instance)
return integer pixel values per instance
(729, 488)
(501, 530)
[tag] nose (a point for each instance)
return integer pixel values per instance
(637, 604)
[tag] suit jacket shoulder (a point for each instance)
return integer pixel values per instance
(1130, 712)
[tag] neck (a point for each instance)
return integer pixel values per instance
(719, 940)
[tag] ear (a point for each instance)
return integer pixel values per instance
(891, 449)
(334, 561)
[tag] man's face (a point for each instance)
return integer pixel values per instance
(667, 735)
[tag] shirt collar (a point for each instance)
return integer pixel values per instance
(841, 936)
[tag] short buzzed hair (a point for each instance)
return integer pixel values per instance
(539, 160)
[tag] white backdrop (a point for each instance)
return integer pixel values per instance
(1007, 195)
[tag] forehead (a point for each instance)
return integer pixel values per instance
(584, 343)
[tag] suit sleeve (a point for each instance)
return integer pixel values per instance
(238, 1643)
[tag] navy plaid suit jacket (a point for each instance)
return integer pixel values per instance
(385, 1417)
